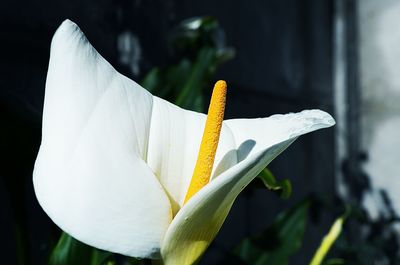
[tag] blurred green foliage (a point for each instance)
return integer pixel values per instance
(198, 48)
(279, 241)
(283, 187)
(370, 241)
(70, 251)
(283, 238)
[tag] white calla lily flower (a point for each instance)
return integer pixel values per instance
(115, 162)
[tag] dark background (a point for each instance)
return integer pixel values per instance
(283, 64)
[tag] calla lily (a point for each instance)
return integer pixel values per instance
(115, 162)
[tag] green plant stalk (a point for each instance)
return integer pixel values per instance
(328, 241)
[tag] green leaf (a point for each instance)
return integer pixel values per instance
(152, 80)
(334, 262)
(283, 187)
(197, 51)
(279, 241)
(192, 90)
(328, 241)
(70, 251)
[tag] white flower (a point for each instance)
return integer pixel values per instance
(115, 162)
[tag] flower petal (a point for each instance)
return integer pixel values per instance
(174, 143)
(90, 176)
(197, 223)
(253, 135)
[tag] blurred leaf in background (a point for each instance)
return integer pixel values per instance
(198, 47)
(284, 237)
(283, 188)
(70, 251)
(378, 243)
(278, 242)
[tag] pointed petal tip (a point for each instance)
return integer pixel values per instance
(307, 121)
(67, 23)
(320, 116)
(67, 26)
(292, 125)
(65, 33)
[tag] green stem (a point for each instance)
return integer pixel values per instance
(328, 241)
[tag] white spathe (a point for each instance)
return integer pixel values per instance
(115, 161)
